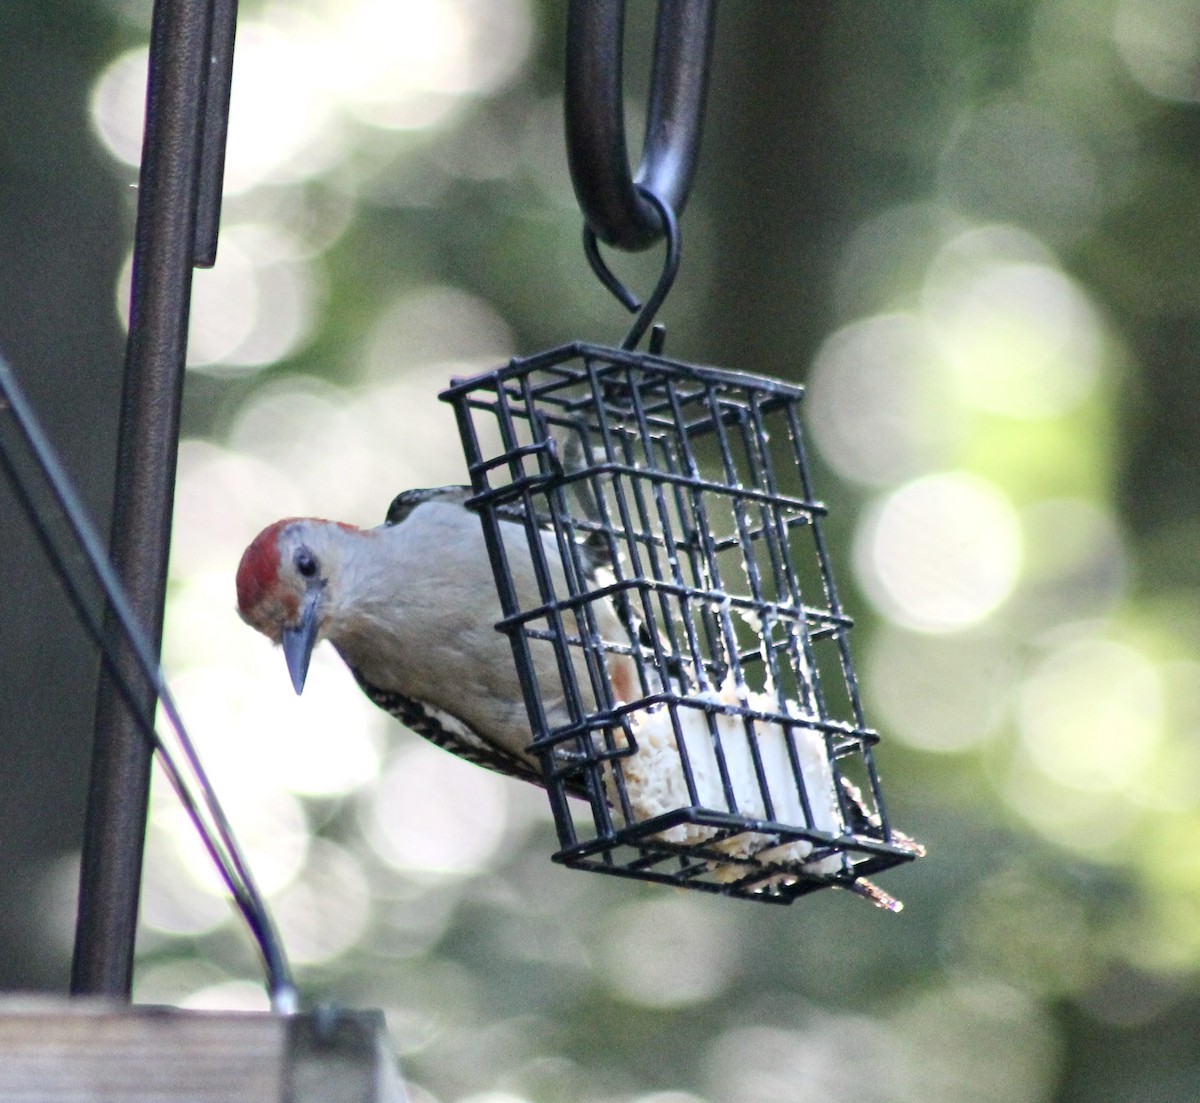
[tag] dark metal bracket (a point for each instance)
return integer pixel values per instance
(613, 201)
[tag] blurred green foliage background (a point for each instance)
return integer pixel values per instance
(969, 228)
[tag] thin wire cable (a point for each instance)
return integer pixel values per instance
(180, 763)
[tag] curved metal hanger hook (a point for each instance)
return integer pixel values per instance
(647, 310)
(612, 200)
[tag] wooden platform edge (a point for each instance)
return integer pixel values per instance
(57, 1050)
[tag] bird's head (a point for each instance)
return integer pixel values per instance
(283, 586)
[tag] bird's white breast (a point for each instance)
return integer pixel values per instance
(415, 611)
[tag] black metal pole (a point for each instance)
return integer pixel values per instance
(110, 875)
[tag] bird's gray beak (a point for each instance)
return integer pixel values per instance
(298, 642)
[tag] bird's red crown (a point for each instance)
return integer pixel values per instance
(258, 571)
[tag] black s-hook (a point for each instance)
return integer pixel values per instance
(648, 309)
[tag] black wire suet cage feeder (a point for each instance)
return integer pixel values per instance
(707, 717)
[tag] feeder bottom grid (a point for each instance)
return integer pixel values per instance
(654, 783)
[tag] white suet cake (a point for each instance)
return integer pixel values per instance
(653, 782)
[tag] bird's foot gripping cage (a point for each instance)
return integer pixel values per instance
(682, 652)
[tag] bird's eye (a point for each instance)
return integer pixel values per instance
(306, 562)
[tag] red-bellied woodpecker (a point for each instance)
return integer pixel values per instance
(411, 606)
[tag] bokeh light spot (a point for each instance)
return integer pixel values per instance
(253, 729)
(1088, 822)
(228, 995)
(1021, 339)
(436, 325)
(836, 1059)
(343, 448)
(118, 105)
(1075, 565)
(977, 1041)
(669, 953)
(936, 692)
(434, 814)
(1159, 43)
(221, 498)
(269, 823)
(169, 982)
(881, 407)
(1015, 161)
(254, 307)
(406, 63)
(304, 72)
(283, 127)
(325, 911)
(940, 553)
(1091, 714)
(172, 902)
